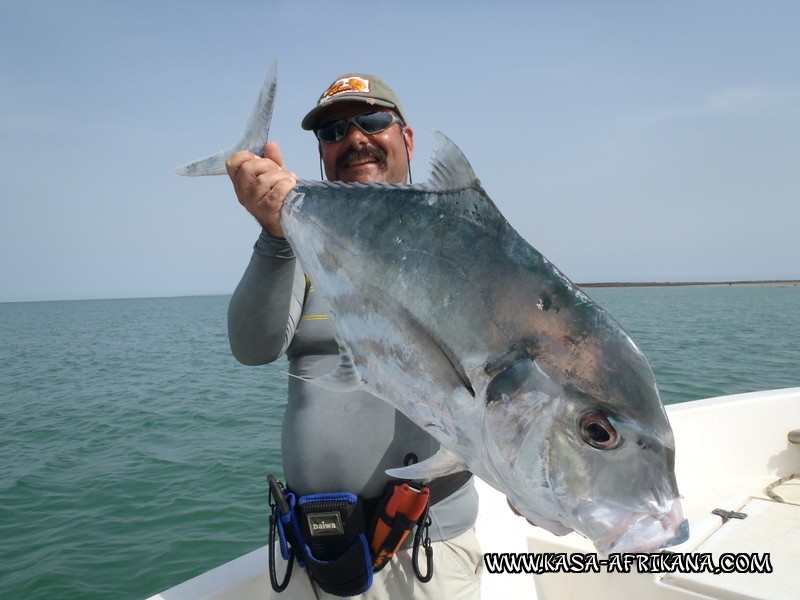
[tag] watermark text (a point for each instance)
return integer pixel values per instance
(538, 563)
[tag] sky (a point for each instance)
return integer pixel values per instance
(625, 140)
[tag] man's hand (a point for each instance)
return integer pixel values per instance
(261, 185)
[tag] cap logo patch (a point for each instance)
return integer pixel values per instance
(347, 85)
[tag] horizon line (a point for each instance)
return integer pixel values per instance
(610, 284)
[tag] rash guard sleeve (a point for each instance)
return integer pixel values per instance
(265, 307)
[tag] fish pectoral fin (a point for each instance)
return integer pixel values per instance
(433, 360)
(442, 463)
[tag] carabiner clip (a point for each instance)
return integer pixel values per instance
(425, 523)
(275, 489)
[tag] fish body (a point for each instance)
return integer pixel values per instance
(448, 314)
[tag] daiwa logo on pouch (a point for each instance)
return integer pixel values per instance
(325, 524)
(347, 85)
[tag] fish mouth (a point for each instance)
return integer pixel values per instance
(623, 531)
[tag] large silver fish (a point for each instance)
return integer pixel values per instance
(445, 312)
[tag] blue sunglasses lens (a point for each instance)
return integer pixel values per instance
(369, 123)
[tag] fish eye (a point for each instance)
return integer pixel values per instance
(597, 431)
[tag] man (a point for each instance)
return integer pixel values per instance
(340, 442)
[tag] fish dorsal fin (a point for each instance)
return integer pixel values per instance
(450, 169)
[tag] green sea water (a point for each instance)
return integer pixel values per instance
(135, 449)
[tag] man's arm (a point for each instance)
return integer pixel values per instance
(266, 305)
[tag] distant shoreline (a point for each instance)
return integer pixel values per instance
(608, 284)
(773, 282)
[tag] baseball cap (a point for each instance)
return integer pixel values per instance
(355, 87)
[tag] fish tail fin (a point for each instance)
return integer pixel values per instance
(254, 137)
(450, 169)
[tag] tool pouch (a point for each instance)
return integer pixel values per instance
(335, 546)
(402, 508)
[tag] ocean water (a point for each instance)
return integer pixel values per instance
(705, 341)
(134, 449)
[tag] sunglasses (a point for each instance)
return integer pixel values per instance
(369, 123)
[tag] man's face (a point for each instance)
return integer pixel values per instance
(358, 157)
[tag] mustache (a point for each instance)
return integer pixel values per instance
(368, 152)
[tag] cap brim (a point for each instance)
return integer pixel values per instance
(315, 116)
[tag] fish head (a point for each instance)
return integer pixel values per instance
(589, 452)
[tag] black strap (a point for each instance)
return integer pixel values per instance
(445, 486)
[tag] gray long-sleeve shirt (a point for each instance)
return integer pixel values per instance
(331, 442)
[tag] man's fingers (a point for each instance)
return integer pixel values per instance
(273, 152)
(236, 160)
